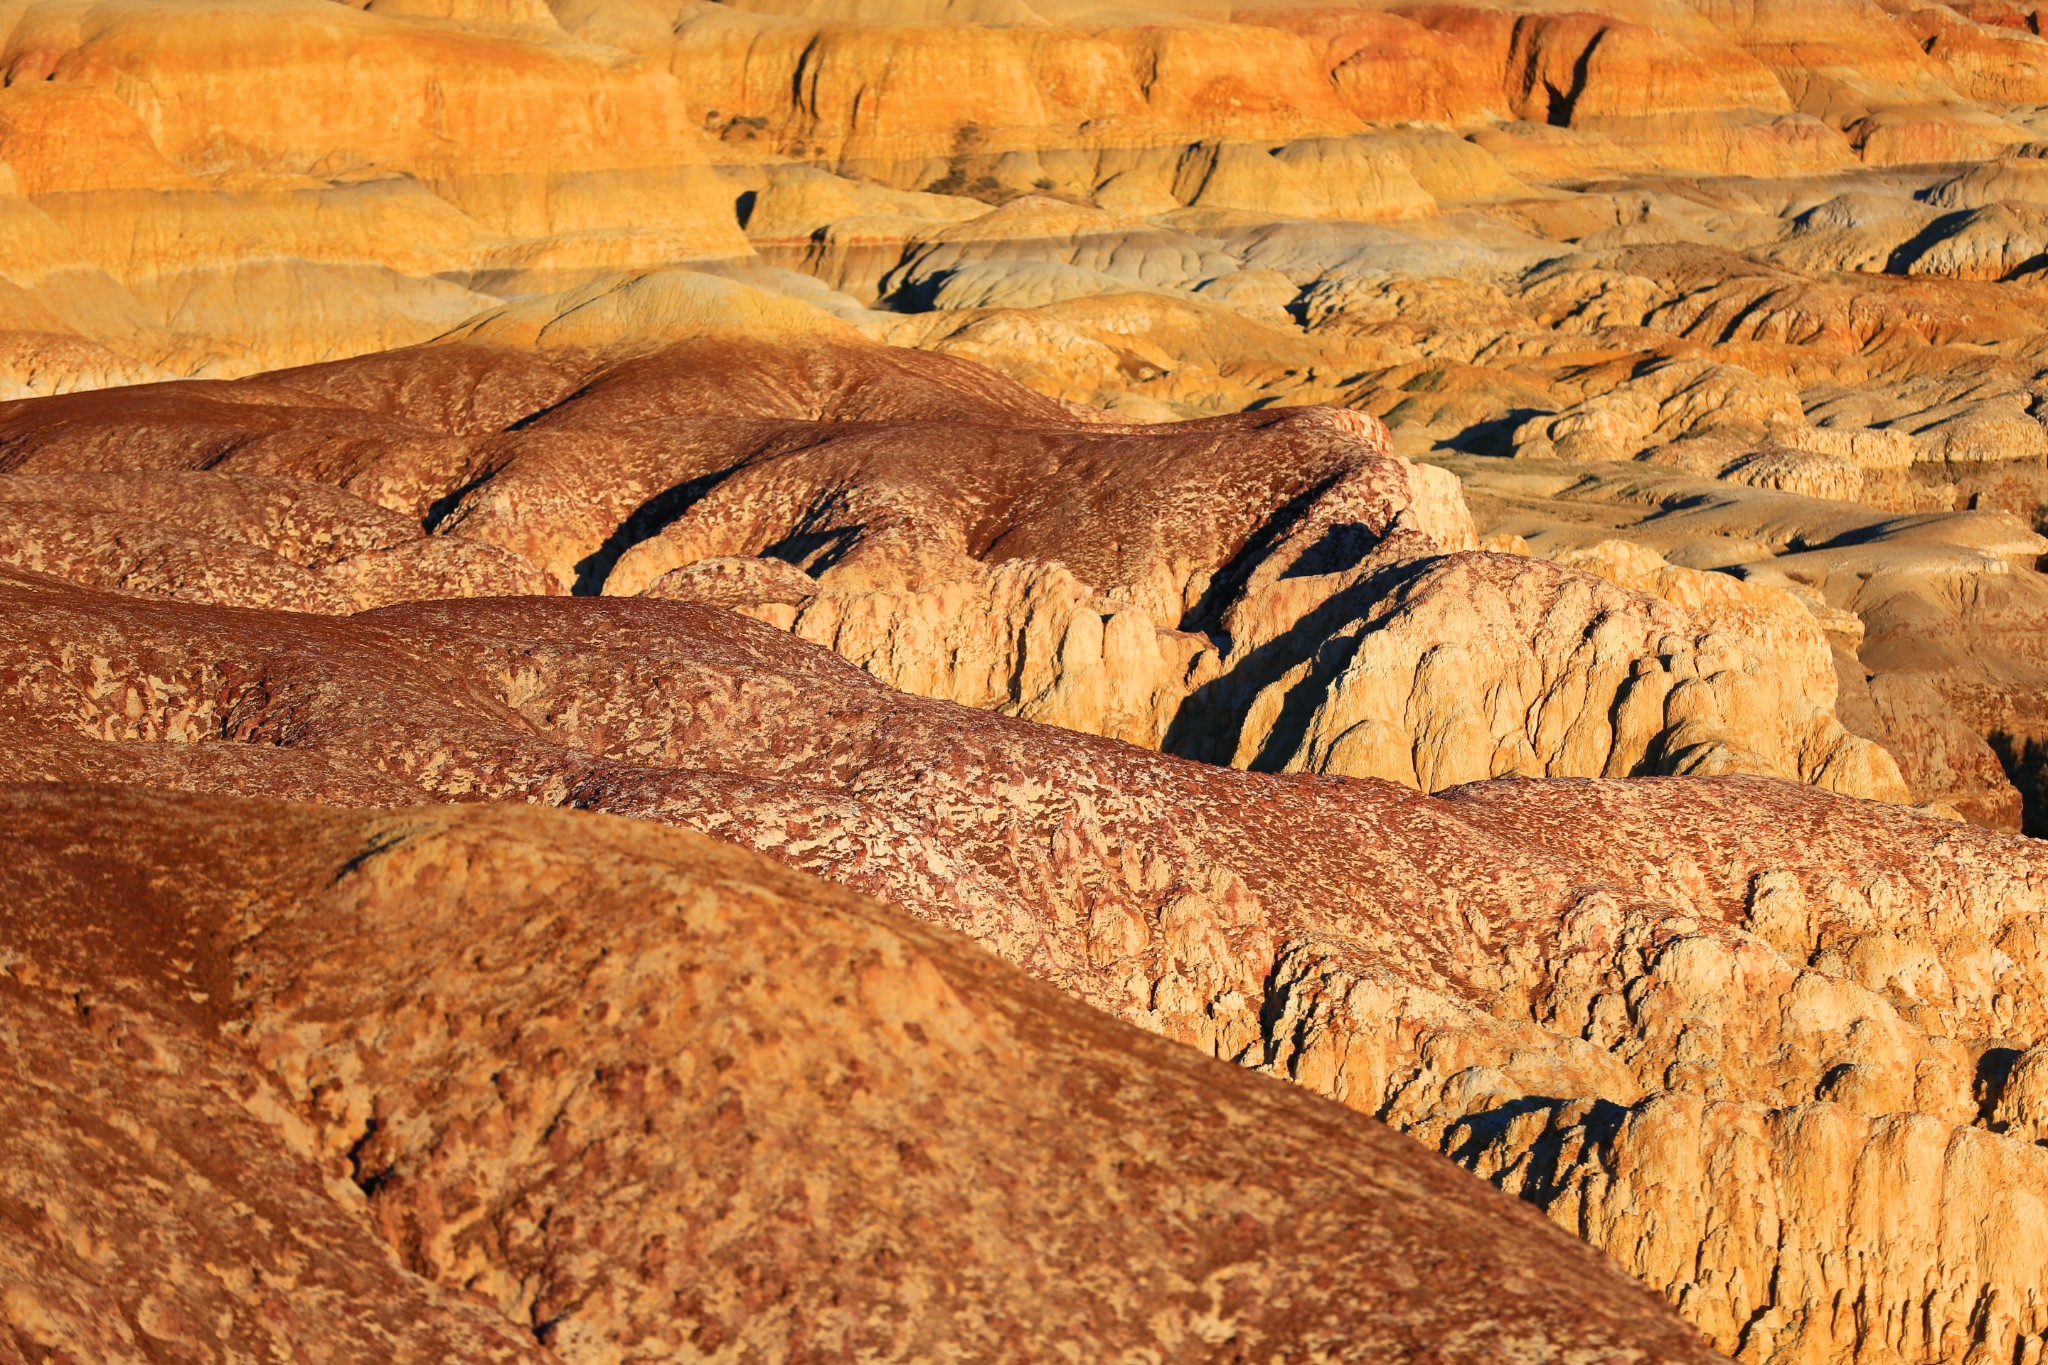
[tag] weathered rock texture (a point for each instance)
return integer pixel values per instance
(1767, 1046)
(1368, 401)
(1792, 248)
(1935, 620)
(243, 540)
(1271, 589)
(444, 1084)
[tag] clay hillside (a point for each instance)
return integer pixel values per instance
(1023, 680)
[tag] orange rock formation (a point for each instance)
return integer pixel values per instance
(1477, 558)
(450, 1084)
(1521, 973)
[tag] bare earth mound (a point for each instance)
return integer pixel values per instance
(444, 1084)
(1599, 994)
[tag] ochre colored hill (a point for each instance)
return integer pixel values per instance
(1480, 559)
(1597, 994)
(491, 1085)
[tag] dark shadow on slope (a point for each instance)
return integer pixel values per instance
(1925, 240)
(2026, 766)
(1493, 435)
(1541, 1170)
(1228, 581)
(1207, 725)
(646, 520)
(440, 508)
(1994, 1070)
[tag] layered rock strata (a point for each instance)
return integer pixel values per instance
(1790, 248)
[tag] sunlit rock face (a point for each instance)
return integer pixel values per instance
(1757, 1017)
(1270, 590)
(1477, 561)
(461, 1079)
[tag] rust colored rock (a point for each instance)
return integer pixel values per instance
(1626, 967)
(1547, 461)
(242, 540)
(166, 1203)
(1190, 585)
(637, 1095)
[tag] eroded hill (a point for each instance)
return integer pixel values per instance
(1773, 1049)
(1477, 559)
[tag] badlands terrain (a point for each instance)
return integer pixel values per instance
(954, 680)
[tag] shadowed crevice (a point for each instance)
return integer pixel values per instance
(644, 522)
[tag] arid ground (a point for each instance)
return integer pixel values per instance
(971, 680)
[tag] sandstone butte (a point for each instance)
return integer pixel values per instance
(696, 681)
